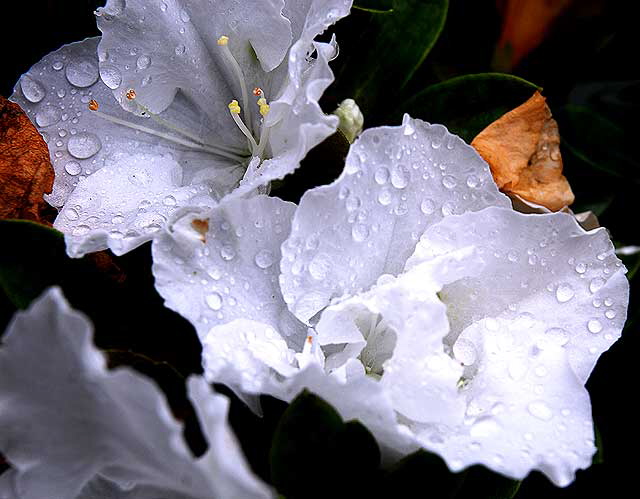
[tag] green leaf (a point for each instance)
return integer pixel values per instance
(598, 142)
(421, 474)
(315, 454)
(468, 104)
(380, 62)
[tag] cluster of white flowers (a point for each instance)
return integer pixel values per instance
(408, 293)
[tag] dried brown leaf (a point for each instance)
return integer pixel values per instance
(26, 173)
(523, 150)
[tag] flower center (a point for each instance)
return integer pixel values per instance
(381, 341)
(184, 138)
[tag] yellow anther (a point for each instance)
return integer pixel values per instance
(131, 94)
(262, 101)
(264, 109)
(223, 40)
(93, 105)
(234, 107)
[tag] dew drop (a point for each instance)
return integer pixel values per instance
(610, 314)
(427, 206)
(169, 201)
(31, 89)
(581, 268)
(540, 410)
(227, 252)
(71, 214)
(400, 176)
(448, 181)
(472, 181)
(385, 197)
(214, 300)
(117, 219)
(484, 427)
(264, 259)
(73, 168)
(594, 326)
(381, 176)
(180, 49)
(83, 145)
(564, 293)
(82, 74)
(359, 232)
(464, 351)
(48, 116)
(111, 76)
(57, 65)
(184, 16)
(81, 230)
(143, 62)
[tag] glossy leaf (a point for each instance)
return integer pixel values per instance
(388, 52)
(468, 104)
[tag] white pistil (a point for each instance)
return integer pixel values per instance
(223, 43)
(93, 106)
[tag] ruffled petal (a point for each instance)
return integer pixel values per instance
(309, 18)
(397, 182)
(56, 93)
(249, 357)
(526, 409)
(68, 419)
(217, 266)
(160, 47)
(123, 204)
(541, 266)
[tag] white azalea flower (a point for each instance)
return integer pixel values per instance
(441, 318)
(73, 429)
(482, 335)
(178, 104)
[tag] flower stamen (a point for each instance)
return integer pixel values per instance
(234, 109)
(94, 106)
(223, 43)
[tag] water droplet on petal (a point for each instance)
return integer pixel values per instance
(82, 73)
(81, 230)
(111, 76)
(581, 268)
(31, 89)
(449, 182)
(540, 410)
(143, 62)
(400, 176)
(594, 326)
(319, 267)
(184, 16)
(381, 176)
(227, 252)
(464, 351)
(214, 300)
(83, 145)
(359, 232)
(47, 116)
(564, 293)
(71, 214)
(484, 427)
(73, 168)
(169, 201)
(385, 197)
(264, 259)
(180, 49)
(427, 206)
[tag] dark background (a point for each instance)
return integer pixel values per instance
(590, 59)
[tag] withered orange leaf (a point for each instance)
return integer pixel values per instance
(523, 150)
(26, 173)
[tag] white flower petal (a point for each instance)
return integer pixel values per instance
(123, 204)
(67, 419)
(172, 45)
(217, 266)
(223, 461)
(55, 94)
(309, 18)
(296, 121)
(526, 409)
(545, 267)
(397, 181)
(248, 356)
